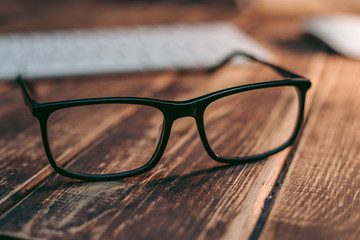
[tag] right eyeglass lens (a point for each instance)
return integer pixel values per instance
(104, 138)
(250, 123)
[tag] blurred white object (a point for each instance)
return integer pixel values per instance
(63, 53)
(340, 32)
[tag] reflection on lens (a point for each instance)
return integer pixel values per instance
(104, 138)
(251, 123)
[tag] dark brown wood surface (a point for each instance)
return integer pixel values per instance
(308, 191)
(320, 194)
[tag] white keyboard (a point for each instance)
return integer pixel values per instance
(79, 52)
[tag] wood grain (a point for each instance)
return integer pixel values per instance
(23, 162)
(19, 140)
(319, 198)
(187, 195)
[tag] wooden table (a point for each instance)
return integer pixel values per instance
(308, 191)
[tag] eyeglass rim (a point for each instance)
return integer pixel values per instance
(42, 111)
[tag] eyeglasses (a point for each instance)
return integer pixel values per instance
(117, 137)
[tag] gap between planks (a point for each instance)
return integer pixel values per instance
(315, 73)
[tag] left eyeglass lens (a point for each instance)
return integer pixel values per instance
(104, 138)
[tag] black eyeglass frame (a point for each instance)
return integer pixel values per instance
(171, 111)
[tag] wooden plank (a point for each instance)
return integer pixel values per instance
(186, 196)
(319, 198)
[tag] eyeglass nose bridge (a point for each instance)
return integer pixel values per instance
(181, 110)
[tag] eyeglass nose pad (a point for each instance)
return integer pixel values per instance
(159, 133)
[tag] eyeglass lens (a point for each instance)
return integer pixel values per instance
(252, 122)
(127, 133)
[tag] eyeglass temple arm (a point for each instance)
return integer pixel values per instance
(28, 100)
(227, 59)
